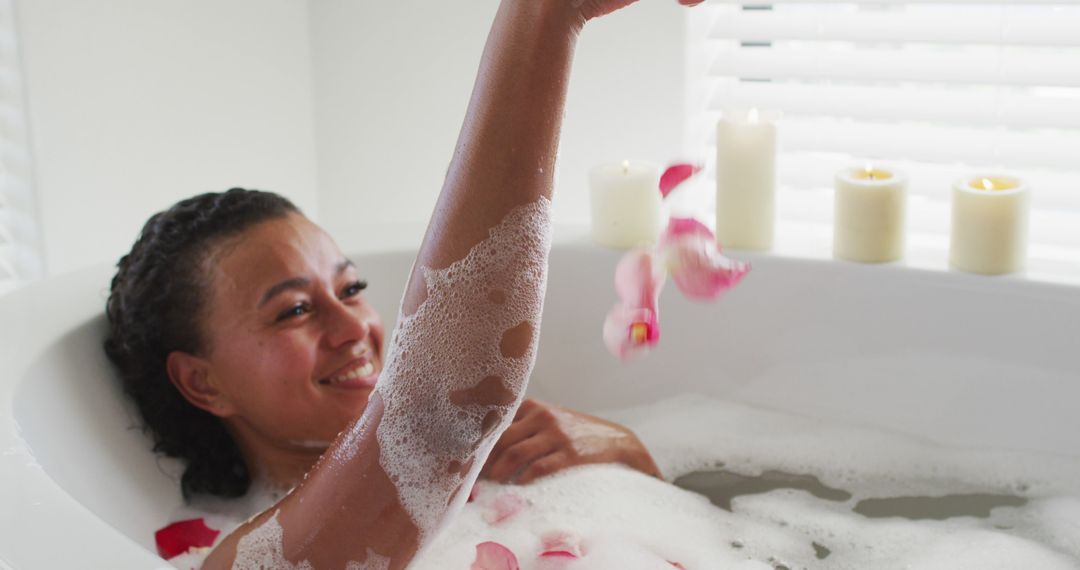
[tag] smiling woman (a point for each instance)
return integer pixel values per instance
(241, 331)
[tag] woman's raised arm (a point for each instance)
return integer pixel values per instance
(465, 342)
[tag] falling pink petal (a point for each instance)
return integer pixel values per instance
(639, 279)
(560, 544)
(695, 263)
(685, 227)
(494, 556)
(633, 326)
(505, 507)
(629, 331)
(676, 174)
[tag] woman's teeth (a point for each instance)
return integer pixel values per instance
(363, 372)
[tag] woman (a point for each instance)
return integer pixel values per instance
(256, 318)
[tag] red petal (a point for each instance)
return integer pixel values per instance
(494, 556)
(181, 536)
(676, 174)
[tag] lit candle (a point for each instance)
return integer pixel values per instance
(625, 199)
(989, 224)
(745, 181)
(869, 215)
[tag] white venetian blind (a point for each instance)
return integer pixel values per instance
(938, 89)
(19, 258)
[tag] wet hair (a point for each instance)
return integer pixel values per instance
(155, 307)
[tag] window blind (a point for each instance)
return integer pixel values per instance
(938, 89)
(19, 257)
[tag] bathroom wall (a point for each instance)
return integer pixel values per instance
(350, 107)
(390, 97)
(135, 105)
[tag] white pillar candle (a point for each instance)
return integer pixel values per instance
(989, 224)
(625, 200)
(745, 181)
(869, 215)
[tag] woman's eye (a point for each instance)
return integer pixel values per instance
(354, 288)
(293, 311)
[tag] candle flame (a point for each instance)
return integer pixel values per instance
(987, 184)
(626, 166)
(753, 116)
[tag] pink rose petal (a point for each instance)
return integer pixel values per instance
(633, 325)
(685, 227)
(494, 556)
(505, 507)
(639, 279)
(676, 174)
(629, 332)
(561, 544)
(688, 251)
(695, 263)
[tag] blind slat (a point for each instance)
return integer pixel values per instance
(839, 62)
(961, 105)
(764, 3)
(932, 143)
(945, 24)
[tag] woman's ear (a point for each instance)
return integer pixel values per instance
(191, 376)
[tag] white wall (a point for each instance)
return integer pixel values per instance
(135, 105)
(392, 81)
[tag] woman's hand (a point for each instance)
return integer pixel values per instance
(544, 439)
(590, 9)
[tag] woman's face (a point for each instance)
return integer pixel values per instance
(292, 345)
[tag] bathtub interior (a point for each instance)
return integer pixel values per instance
(955, 358)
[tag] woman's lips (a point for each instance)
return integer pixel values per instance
(362, 373)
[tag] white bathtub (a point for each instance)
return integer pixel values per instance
(957, 358)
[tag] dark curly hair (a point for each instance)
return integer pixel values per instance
(155, 306)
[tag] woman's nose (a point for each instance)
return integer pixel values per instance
(347, 324)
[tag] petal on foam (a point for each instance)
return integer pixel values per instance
(494, 556)
(504, 507)
(179, 537)
(560, 544)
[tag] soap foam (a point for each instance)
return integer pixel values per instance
(430, 446)
(263, 548)
(630, 521)
(455, 371)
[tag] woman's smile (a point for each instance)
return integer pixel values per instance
(361, 372)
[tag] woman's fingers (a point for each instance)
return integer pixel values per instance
(520, 456)
(545, 466)
(525, 425)
(595, 8)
